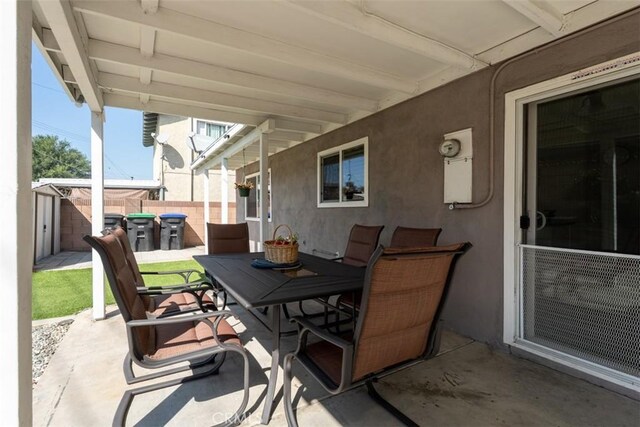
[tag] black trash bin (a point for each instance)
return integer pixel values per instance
(172, 231)
(113, 220)
(140, 231)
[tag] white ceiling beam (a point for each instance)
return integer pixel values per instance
(237, 147)
(541, 13)
(181, 110)
(276, 144)
(49, 40)
(210, 98)
(64, 27)
(39, 38)
(295, 126)
(129, 56)
(147, 41)
(67, 75)
(212, 32)
(281, 135)
(147, 47)
(149, 6)
(145, 76)
(347, 15)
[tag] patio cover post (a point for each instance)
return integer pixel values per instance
(264, 187)
(16, 245)
(224, 191)
(97, 209)
(207, 215)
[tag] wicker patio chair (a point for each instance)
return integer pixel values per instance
(168, 300)
(225, 239)
(201, 339)
(403, 296)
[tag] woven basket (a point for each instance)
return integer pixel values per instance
(281, 254)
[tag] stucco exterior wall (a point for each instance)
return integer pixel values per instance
(406, 172)
(181, 183)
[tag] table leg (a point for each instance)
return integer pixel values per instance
(275, 364)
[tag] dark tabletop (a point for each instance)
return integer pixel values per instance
(258, 287)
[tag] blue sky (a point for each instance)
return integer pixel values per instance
(53, 113)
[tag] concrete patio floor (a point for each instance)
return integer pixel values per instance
(468, 384)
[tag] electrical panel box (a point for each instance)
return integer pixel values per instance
(458, 170)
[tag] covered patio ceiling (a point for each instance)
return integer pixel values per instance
(309, 66)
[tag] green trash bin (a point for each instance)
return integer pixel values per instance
(140, 231)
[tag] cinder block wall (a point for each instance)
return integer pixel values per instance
(75, 218)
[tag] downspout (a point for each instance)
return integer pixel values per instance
(492, 92)
(191, 170)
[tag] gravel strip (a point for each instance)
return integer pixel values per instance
(45, 342)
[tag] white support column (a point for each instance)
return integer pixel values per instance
(97, 209)
(207, 215)
(16, 245)
(224, 191)
(264, 188)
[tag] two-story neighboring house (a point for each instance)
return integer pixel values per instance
(173, 154)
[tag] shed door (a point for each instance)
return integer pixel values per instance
(580, 264)
(47, 226)
(44, 226)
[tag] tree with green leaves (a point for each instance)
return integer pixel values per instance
(53, 158)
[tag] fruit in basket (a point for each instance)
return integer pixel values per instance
(285, 241)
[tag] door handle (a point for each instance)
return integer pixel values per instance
(541, 220)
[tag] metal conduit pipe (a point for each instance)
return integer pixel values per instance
(492, 88)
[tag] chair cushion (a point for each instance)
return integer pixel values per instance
(160, 305)
(363, 241)
(180, 338)
(405, 237)
(350, 298)
(228, 238)
(327, 357)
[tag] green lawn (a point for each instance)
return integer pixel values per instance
(64, 292)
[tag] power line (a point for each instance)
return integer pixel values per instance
(48, 87)
(68, 134)
(75, 136)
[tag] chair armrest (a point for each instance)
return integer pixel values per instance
(336, 259)
(191, 286)
(172, 320)
(305, 325)
(202, 317)
(197, 289)
(184, 273)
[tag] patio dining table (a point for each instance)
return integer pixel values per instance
(252, 288)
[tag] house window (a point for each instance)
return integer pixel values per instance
(252, 202)
(343, 175)
(214, 130)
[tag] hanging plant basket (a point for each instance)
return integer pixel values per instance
(244, 192)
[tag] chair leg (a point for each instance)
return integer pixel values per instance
(287, 397)
(216, 360)
(285, 310)
(120, 416)
(388, 406)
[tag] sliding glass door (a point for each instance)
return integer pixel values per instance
(579, 261)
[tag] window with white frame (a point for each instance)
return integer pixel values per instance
(214, 130)
(252, 202)
(343, 175)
